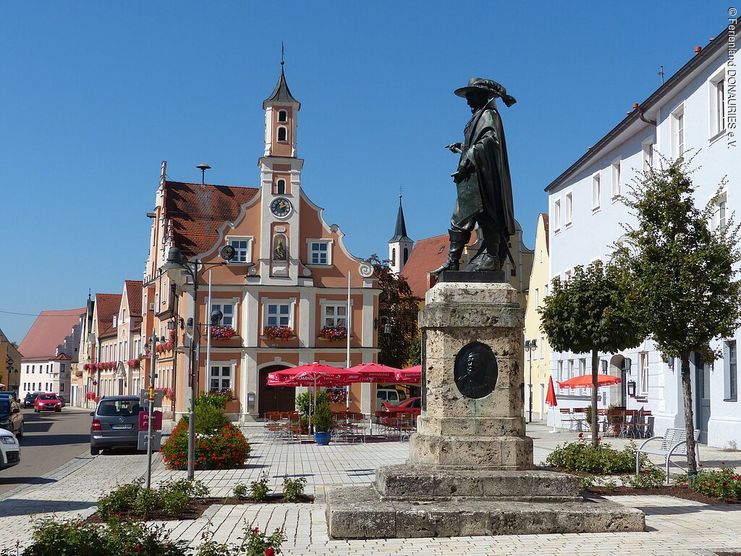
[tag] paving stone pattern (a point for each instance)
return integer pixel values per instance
(674, 526)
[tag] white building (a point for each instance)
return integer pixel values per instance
(693, 113)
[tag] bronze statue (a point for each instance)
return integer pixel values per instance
(483, 181)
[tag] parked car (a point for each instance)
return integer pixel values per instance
(47, 402)
(388, 395)
(115, 423)
(10, 449)
(11, 416)
(411, 405)
(30, 399)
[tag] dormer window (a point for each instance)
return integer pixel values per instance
(282, 116)
(282, 134)
(280, 187)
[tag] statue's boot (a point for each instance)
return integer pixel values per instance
(458, 240)
(485, 261)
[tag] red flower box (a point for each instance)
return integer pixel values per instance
(278, 332)
(222, 332)
(333, 333)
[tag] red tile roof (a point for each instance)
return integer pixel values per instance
(134, 295)
(48, 331)
(196, 211)
(107, 305)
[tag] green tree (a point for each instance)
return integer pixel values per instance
(590, 313)
(683, 271)
(398, 335)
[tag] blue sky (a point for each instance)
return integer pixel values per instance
(96, 94)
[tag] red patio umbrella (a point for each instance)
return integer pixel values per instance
(585, 381)
(550, 399)
(410, 375)
(375, 372)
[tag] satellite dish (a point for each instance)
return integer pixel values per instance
(227, 252)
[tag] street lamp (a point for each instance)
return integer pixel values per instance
(530, 346)
(178, 268)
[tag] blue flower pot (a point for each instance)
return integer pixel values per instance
(322, 438)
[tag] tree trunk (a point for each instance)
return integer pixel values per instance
(595, 373)
(689, 424)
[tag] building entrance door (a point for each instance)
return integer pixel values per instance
(272, 398)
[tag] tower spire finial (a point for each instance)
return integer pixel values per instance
(282, 54)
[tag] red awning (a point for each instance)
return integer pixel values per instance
(585, 381)
(315, 375)
(410, 375)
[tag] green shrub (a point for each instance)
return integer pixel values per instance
(259, 489)
(210, 419)
(723, 483)
(171, 497)
(212, 399)
(649, 477)
(293, 488)
(77, 538)
(225, 449)
(240, 491)
(257, 543)
(600, 459)
(120, 499)
(322, 418)
(304, 400)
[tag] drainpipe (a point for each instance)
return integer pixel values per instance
(637, 108)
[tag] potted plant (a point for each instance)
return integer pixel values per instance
(278, 332)
(322, 419)
(333, 333)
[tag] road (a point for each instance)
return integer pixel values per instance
(49, 440)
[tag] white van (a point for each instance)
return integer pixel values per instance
(390, 395)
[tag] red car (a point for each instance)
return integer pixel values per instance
(47, 402)
(410, 405)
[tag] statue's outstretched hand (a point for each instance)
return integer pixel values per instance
(454, 147)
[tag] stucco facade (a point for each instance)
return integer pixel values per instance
(538, 360)
(692, 114)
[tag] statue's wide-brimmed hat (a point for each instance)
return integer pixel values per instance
(491, 88)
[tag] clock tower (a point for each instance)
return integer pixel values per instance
(280, 188)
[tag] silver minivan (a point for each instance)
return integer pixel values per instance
(115, 423)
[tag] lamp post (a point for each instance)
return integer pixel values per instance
(530, 346)
(178, 268)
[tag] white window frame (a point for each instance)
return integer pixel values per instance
(278, 183)
(557, 214)
(266, 302)
(616, 177)
(241, 253)
(284, 119)
(730, 370)
(311, 243)
(596, 192)
(717, 117)
(720, 214)
(277, 134)
(643, 372)
(569, 209)
(648, 149)
(537, 298)
(220, 377)
(329, 306)
(229, 318)
(678, 132)
(559, 370)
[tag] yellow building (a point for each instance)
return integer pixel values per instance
(537, 359)
(10, 364)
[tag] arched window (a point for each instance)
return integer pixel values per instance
(393, 256)
(406, 254)
(282, 134)
(280, 187)
(282, 116)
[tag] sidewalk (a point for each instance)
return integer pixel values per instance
(673, 525)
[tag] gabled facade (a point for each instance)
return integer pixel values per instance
(286, 285)
(538, 360)
(47, 352)
(10, 364)
(693, 115)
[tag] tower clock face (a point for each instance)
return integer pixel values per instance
(280, 207)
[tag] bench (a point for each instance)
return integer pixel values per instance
(672, 439)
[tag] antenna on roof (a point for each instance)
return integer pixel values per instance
(203, 167)
(661, 74)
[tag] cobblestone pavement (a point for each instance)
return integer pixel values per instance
(674, 526)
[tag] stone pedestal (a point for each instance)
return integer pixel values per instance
(470, 468)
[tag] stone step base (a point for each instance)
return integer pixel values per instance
(429, 482)
(358, 513)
